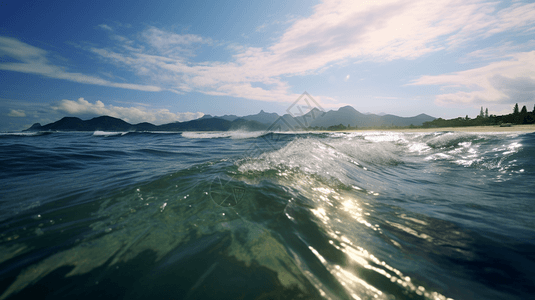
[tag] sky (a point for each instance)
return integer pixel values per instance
(170, 61)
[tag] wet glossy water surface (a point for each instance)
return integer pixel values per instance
(250, 215)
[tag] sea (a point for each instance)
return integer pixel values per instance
(267, 215)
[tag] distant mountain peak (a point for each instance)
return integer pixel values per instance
(347, 108)
(35, 126)
(316, 117)
(70, 118)
(425, 115)
(381, 114)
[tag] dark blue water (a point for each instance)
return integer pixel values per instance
(367, 215)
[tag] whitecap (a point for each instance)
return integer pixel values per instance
(31, 133)
(223, 134)
(450, 139)
(108, 133)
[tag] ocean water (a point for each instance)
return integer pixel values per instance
(241, 215)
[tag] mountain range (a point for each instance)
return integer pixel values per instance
(315, 118)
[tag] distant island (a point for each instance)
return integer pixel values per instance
(106, 123)
(345, 118)
(315, 119)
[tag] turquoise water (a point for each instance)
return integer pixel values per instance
(241, 215)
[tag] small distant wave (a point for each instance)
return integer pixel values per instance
(372, 136)
(157, 132)
(295, 132)
(226, 134)
(108, 133)
(32, 133)
(152, 132)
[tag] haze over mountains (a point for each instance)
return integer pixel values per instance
(315, 118)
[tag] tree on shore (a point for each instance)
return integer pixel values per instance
(337, 127)
(517, 116)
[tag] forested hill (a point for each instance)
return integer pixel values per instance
(314, 119)
(483, 119)
(106, 123)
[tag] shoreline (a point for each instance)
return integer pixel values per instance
(492, 128)
(527, 128)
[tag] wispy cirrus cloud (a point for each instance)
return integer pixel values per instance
(34, 60)
(499, 52)
(172, 44)
(130, 114)
(17, 113)
(105, 27)
(507, 81)
(337, 31)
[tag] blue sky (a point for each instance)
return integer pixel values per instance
(177, 60)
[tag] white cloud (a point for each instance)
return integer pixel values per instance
(261, 28)
(507, 81)
(33, 61)
(16, 113)
(105, 27)
(164, 39)
(132, 115)
(503, 49)
(337, 31)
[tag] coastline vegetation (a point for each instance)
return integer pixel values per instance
(517, 117)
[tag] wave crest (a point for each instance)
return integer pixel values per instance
(224, 134)
(108, 133)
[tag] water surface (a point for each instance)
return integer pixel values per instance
(363, 215)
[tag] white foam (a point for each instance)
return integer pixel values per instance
(439, 156)
(309, 155)
(366, 151)
(419, 147)
(450, 139)
(107, 133)
(31, 133)
(294, 132)
(328, 158)
(223, 134)
(385, 137)
(20, 133)
(340, 151)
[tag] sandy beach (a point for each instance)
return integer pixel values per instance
(495, 128)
